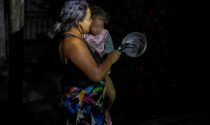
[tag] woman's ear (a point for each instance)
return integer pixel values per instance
(79, 23)
(79, 26)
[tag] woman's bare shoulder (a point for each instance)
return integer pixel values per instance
(72, 42)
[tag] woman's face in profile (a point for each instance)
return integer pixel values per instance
(85, 24)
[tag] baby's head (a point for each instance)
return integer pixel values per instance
(99, 18)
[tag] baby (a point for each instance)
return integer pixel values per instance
(100, 39)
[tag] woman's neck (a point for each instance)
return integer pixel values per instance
(75, 31)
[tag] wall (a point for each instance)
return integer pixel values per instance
(2, 33)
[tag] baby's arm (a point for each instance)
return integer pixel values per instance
(109, 47)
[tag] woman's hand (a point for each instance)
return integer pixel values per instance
(114, 56)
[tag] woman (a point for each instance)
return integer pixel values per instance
(84, 77)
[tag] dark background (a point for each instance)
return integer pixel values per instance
(166, 85)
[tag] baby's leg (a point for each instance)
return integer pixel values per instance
(110, 97)
(110, 92)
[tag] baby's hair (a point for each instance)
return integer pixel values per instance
(98, 12)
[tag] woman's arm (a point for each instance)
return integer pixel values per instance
(77, 51)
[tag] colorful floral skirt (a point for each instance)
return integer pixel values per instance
(84, 106)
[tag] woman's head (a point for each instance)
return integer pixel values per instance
(75, 13)
(99, 18)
